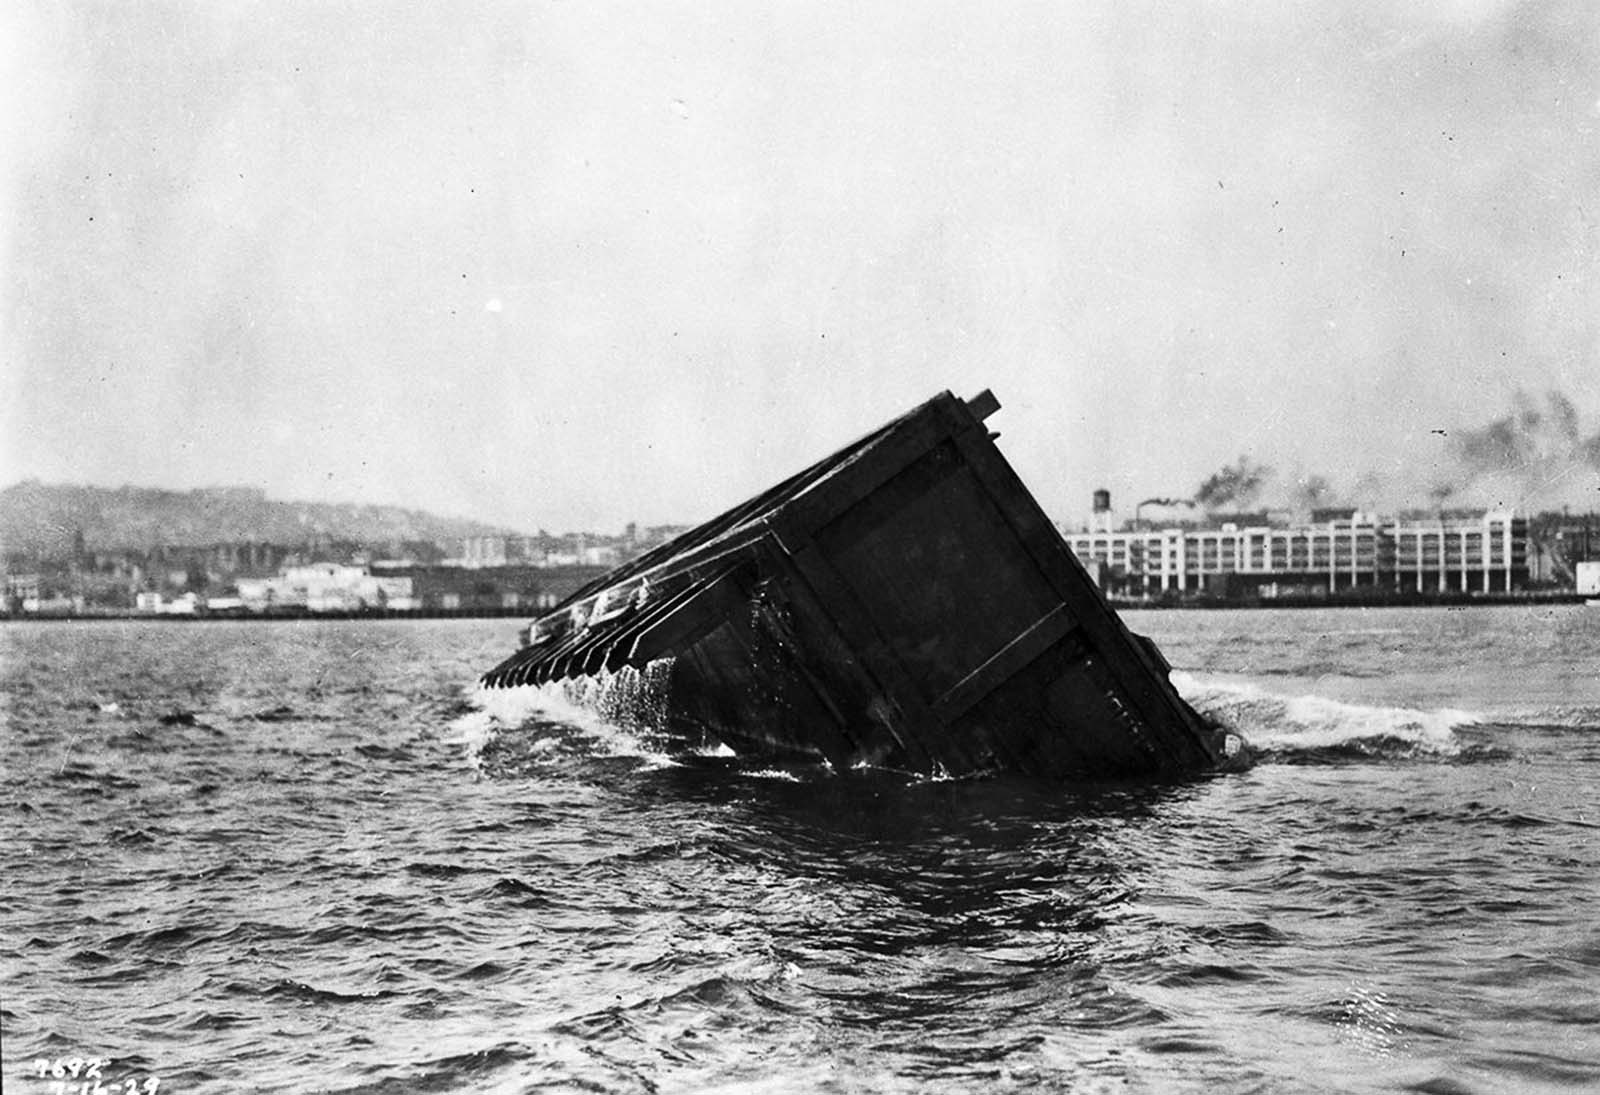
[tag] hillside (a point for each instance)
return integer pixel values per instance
(41, 518)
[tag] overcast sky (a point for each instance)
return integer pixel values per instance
(568, 265)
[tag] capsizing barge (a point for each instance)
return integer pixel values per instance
(903, 603)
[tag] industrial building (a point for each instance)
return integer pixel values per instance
(1588, 578)
(326, 587)
(1334, 552)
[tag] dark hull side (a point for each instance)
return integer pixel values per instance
(903, 603)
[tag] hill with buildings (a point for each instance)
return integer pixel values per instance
(44, 519)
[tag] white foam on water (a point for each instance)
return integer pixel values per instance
(775, 774)
(472, 730)
(1550, 717)
(609, 710)
(1269, 720)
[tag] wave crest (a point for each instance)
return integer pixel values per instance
(609, 715)
(1304, 726)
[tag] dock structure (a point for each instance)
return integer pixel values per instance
(902, 603)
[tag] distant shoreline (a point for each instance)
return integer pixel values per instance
(1395, 600)
(1189, 604)
(272, 617)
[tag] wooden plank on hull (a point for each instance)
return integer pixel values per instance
(900, 709)
(1044, 633)
(690, 615)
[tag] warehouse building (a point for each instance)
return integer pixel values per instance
(1335, 552)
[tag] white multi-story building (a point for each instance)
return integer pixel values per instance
(155, 603)
(485, 551)
(1460, 553)
(326, 587)
(1588, 578)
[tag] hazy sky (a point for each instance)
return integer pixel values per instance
(574, 264)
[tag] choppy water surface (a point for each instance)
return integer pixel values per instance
(296, 857)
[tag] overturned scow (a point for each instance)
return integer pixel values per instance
(903, 603)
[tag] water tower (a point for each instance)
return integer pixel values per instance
(1100, 519)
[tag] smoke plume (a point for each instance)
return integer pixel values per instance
(1536, 454)
(1235, 486)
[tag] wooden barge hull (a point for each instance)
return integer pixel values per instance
(902, 603)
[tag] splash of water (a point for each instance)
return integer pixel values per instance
(613, 713)
(1279, 724)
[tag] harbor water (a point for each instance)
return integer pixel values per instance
(305, 856)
